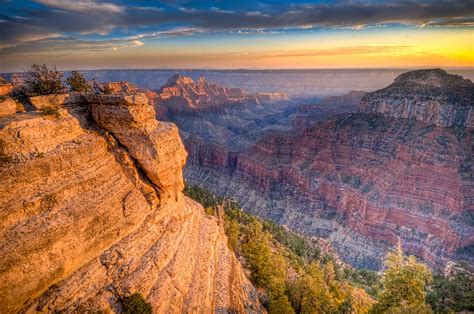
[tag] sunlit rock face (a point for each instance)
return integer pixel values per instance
(431, 96)
(5, 88)
(363, 180)
(181, 94)
(91, 210)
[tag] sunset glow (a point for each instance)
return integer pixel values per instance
(190, 40)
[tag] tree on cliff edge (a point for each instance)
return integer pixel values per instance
(404, 285)
(77, 82)
(41, 80)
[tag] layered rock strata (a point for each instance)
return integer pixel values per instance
(431, 96)
(364, 181)
(182, 94)
(91, 211)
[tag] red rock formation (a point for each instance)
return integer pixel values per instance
(362, 180)
(431, 96)
(119, 87)
(181, 94)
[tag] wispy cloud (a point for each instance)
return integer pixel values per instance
(59, 45)
(83, 6)
(56, 19)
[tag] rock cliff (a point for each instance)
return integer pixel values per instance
(91, 211)
(181, 94)
(431, 96)
(361, 180)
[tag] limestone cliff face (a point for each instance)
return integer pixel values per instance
(431, 96)
(91, 210)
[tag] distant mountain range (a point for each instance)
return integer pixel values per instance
(296, 83)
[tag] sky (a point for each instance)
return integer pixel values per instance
(267, 34)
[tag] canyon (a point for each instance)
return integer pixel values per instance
(91, 202)
(363, 170)
(92, 211)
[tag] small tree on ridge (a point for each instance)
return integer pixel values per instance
(77, 82)
(41, 80)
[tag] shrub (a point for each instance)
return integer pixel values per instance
(443, 141)
(20, 94)
(136, 304)
(426, 208)
(5, 160)
(452, 294)
(77, 82)
(50, 112)
(459, 131)
(41, 80)
(49, 201)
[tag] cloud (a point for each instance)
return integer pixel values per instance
(82, 6)
(60, 45)
(137, 43)
(214, 9)
(63, 18)
(455, 22)
(179, 32)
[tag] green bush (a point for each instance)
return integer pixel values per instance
(452, 294)
(136, 304)
(41, 80)
(77, 83)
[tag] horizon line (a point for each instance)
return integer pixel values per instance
(262, 69)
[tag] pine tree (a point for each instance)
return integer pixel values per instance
(310, 294)
(77, 83)
(280, 305)
(233, 232)
(404, 284)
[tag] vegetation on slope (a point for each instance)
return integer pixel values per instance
(452, 293)
(136, 304)
(293, 275)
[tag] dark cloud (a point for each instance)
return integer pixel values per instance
(58, 17)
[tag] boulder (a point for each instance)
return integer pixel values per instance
(48, 101)
(8, 106)
(5, 88)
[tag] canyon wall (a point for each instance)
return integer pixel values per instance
(364, 180)
(431, 96)
(182, 94)
(92, 211)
